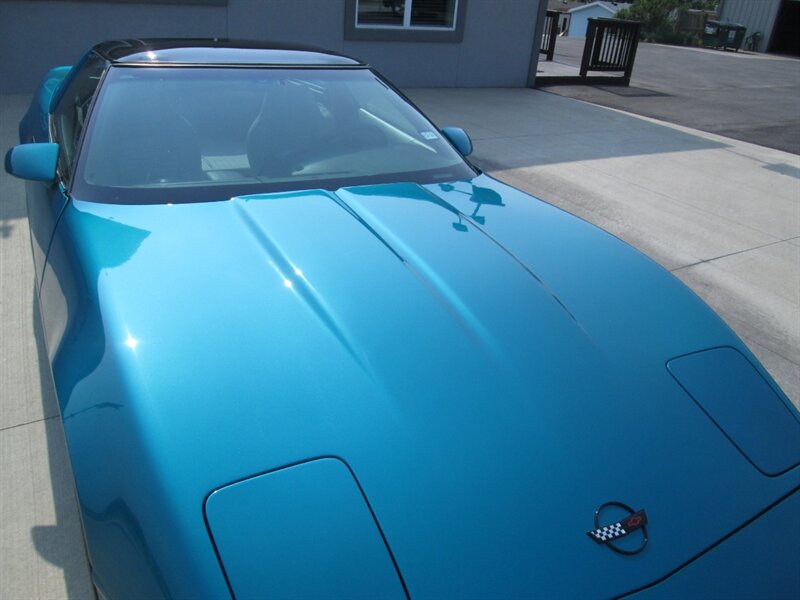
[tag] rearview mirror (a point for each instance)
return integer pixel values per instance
(36, 162)
(459, 138)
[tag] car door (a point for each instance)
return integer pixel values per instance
(72, 103)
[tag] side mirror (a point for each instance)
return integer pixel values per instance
(459, 138)
(36, 162)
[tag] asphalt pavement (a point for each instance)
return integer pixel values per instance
(742, 95)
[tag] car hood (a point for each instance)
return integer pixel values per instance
(489, 367)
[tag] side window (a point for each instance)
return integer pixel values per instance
(69, 116)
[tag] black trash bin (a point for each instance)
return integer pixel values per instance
(723, 35)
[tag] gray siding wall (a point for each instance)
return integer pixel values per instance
(37, 35)
(756, 15)
(496, 50)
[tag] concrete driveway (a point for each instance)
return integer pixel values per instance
(745, 96)
(723, 215)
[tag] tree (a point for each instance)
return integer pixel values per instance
(659, 18)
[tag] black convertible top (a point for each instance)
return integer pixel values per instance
(218, 51)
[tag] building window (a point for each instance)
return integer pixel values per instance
(407, 14)
(405, 20)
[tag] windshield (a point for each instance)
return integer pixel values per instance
(188, 134)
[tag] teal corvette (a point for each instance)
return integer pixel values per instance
(303, 349)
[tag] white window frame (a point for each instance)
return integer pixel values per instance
(395, 33)
(407, 26)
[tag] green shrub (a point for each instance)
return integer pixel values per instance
(659, 19)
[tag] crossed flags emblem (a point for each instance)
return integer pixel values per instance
(614, 531)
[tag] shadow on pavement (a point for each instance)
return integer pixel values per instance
(783, 169)
(60, 544)
(514, 128)
(632, 91)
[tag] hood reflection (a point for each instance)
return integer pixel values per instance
(479, 196)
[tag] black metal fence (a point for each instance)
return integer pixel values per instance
(549, 34)
(610, 46)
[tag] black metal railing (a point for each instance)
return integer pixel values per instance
(549, 34)
(610, 46)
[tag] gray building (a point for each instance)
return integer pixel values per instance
(778, 21)
(426, 43)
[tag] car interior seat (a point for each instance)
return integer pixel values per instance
(287, 131)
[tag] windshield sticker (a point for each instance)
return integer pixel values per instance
(429, 135)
